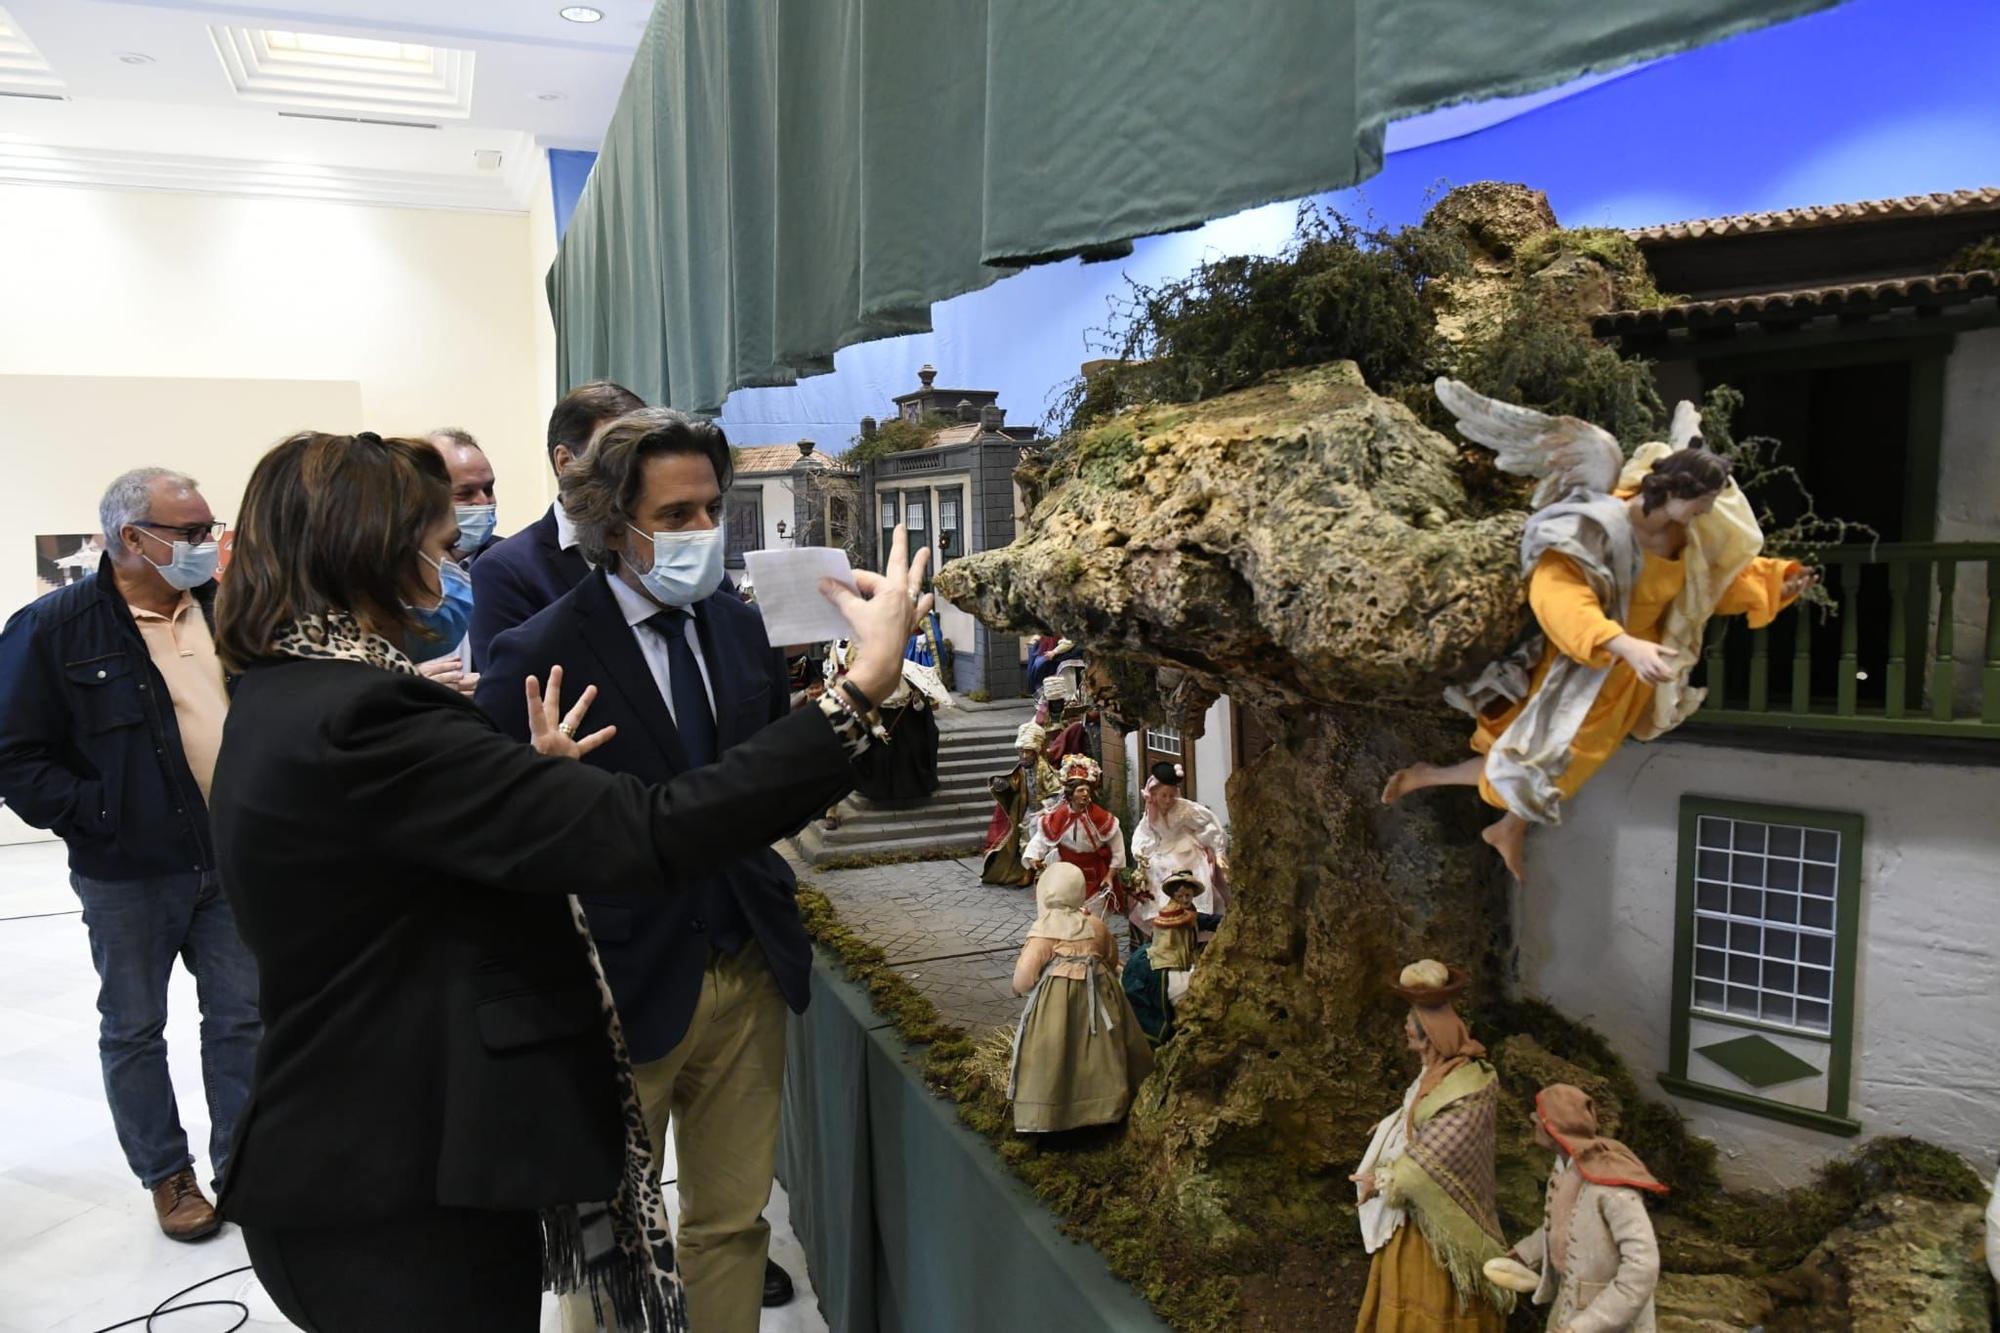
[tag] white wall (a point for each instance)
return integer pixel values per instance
(1595, 929)
(409, 318)
(437, 315)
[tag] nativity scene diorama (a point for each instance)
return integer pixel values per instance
(1294, 581)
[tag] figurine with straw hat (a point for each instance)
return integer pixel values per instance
(1429, 1211)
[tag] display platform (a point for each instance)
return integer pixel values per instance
(909, 1220)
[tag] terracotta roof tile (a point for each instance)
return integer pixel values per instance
(767, 458)
(1823, 215)
(1930, 289)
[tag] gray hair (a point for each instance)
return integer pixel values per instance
(601, 486)
(456, 435)
(130, 500)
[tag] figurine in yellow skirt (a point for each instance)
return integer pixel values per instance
(1626, 562)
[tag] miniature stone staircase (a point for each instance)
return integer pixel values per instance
(975, 745)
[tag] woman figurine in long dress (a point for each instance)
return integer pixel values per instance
(1626, 563)
(1078, 1053)
(1176, 836)
(1429, 1211)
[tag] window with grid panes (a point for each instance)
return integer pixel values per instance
(1764, 952)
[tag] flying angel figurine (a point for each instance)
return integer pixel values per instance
(1626, 561)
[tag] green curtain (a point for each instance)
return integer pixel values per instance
(785, 177)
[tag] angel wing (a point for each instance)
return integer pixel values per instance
(1567, 454)
(1686, 427)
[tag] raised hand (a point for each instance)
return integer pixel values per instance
(1798, 581)
(883, 611)
(552, 733)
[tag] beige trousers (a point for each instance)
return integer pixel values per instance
(720, 1089)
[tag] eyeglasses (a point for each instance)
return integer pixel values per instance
(194, 534)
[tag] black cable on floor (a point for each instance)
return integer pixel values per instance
(167, 1306)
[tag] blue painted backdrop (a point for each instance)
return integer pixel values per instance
(1874, 99)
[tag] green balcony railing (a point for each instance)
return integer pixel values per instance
(1914, 650)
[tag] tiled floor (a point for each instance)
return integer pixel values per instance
(953, 937)
(78, 1246)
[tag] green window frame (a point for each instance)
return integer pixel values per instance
(1766, 918)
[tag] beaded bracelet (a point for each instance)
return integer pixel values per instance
(857, 703)
(849, 728)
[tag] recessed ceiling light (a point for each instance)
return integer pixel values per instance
(134, 58)
(548, 97)
(581, 14)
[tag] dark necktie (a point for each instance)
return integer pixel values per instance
(693, 717)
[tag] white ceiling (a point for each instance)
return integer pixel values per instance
(178, 122)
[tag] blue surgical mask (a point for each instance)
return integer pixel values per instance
(191, 565)
(475, 525)
(687, 566)
(443, 625)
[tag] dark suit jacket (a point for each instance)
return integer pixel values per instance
(515, 578)
(654, 951)
(432, 1032)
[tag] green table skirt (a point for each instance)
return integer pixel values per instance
(910, 1222)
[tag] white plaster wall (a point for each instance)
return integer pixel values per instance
(1215, 759)
(1594, 927)
(1969, 491)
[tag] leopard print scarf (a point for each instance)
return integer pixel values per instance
(620, 1251)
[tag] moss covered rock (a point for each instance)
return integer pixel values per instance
(1303, 540)
(1903, 1265)
(1686, 1303)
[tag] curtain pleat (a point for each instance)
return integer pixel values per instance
(783, 178)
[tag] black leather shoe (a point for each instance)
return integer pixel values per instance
(777, 1285)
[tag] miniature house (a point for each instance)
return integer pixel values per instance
(785, 495)
(957, 495)
(1784, 911)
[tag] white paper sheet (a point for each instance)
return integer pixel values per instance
(787, 583)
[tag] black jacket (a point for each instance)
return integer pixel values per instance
(90, 748)
(515, 578)
(432, 1033)
(654, 951)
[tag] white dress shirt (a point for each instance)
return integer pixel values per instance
(565, 530)
(639, 609)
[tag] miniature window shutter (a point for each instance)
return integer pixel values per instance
(1765, 935)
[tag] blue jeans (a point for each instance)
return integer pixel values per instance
(137, 928)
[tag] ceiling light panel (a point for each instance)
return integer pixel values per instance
(327, 72)
(22, 68)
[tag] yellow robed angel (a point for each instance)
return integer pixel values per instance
(1626, 561)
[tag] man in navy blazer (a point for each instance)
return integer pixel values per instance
(683, 670)
(517, 577)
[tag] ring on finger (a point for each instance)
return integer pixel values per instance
(567, 729)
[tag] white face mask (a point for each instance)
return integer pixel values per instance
(687, 566)
(192, 564)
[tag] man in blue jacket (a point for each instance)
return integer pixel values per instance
(111, 710)
(683, 670)
(541, 562)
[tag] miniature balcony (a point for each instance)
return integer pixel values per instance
(1913, 651)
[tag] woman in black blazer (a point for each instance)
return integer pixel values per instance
(441, 1124)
